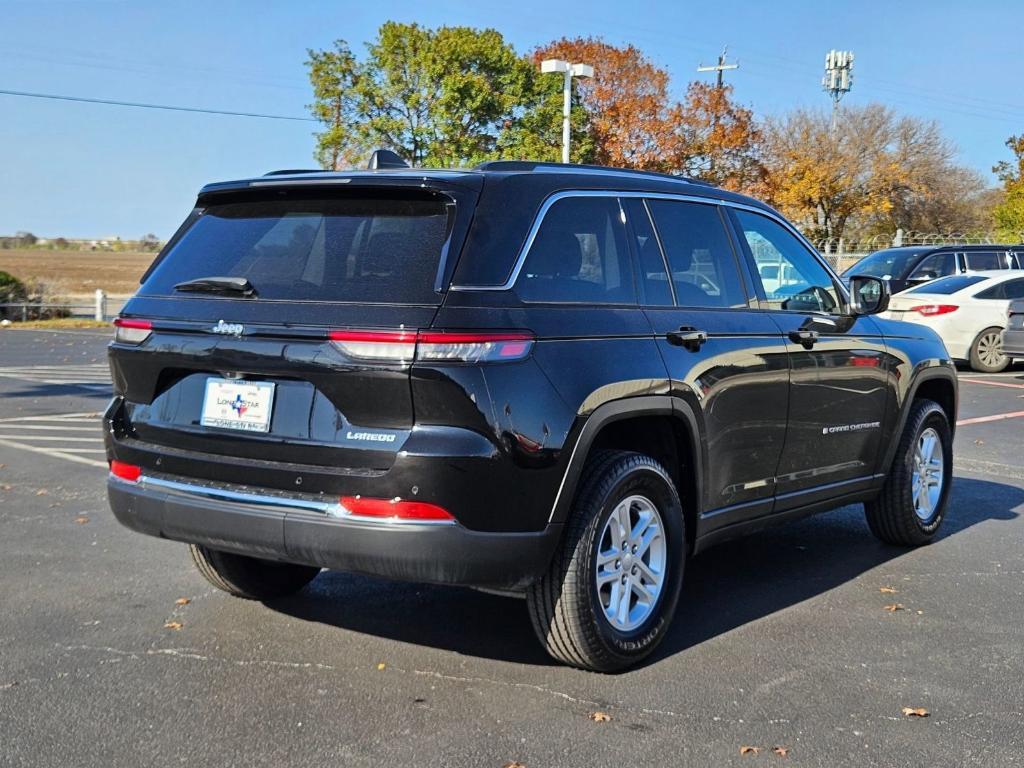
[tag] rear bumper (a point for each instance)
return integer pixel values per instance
(299, 530)
(1013, 343)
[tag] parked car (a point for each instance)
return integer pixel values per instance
(1013, 335)
(555, 380)
(914, 265)
(969, 313)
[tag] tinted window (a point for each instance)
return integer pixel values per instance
(360, 250)
(936, 265)
(793, 279)
(1014, 289)
(885, 264)
(704, 271)
(979, 260)
(948, 285)
(579, 255)
(654, 282)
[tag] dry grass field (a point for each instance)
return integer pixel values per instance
(78, 272)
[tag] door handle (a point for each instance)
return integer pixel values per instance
(687, 337)
(804, 338)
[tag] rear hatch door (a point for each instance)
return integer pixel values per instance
(293, 369)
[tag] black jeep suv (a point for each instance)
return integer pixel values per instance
(557, 380)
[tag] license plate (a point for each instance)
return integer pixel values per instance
(244, 405)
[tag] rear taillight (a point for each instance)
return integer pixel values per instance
(360, 506)
(129, 472)
(129, 331)
(435, 346)
(931, 310)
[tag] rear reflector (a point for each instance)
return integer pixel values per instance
(437, 346)
(124, 471)
(930, 310)
(128, 331)
(361, 506)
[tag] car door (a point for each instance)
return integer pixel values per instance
(931, 267)
(839, 371)
(725, 358)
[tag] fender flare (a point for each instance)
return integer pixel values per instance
(619, 410)
(938, 370)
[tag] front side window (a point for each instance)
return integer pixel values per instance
(935, 265)
(792, 278)
(700, 257)
(579, 255)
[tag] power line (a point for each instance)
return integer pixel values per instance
(139, 105)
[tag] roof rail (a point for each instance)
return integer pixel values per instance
(537, 165)
(293, 171)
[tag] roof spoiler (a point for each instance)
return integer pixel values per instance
(385, 158)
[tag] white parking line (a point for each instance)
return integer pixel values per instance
(89, 375)
(36, 435)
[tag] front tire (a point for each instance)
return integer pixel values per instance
(250, 577)
(612, 588)
(987, 352)
(912, 504)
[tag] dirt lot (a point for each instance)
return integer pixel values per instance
(78, 272)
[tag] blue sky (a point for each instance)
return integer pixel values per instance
(82, 170)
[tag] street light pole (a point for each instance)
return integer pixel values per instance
(569, 71)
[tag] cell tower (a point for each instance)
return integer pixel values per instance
(838, 78)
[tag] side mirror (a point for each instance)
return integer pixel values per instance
(868, 295)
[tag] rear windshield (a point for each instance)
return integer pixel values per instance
(948, 285)
(365, 249)
(884, 264)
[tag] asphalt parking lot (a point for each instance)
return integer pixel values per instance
(782, 640)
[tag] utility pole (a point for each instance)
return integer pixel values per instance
(719, 68)
(569, 71)
(838, 80)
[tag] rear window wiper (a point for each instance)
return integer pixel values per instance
(239, 285)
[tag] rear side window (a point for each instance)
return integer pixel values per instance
(579, 255)
(948, 285)
(367, 249)
(981, 260)
(1010, 289)
(704, 271)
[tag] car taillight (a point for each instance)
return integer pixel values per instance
(397, 509)
(124, 471)
(930, 310)
(437, 346)
(128, 331)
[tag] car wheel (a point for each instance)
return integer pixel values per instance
(250, 577)
(987, 351)
(613, 585)
(912, 504)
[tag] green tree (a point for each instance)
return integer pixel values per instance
(1009, 214)
(439, 97)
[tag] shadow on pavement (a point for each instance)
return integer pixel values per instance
(101, 392)
(726, 587)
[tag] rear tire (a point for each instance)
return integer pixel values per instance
(912, 504)
(250, 577)
(603, 606)
(987, 351)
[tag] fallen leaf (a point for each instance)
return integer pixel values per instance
(781, 751)
(749, 750)
(2, 466)
(887, 590)
(6, 487)
(381, 665)
(182, 601)
(600, 717)
(514, 764)
(915, 712)
(82, 519)
(893, 607)
(979, 441)
(42, 492)
(175, 625)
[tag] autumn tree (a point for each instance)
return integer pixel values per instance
(437, 97)
(714, 139)
(1009, 214)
